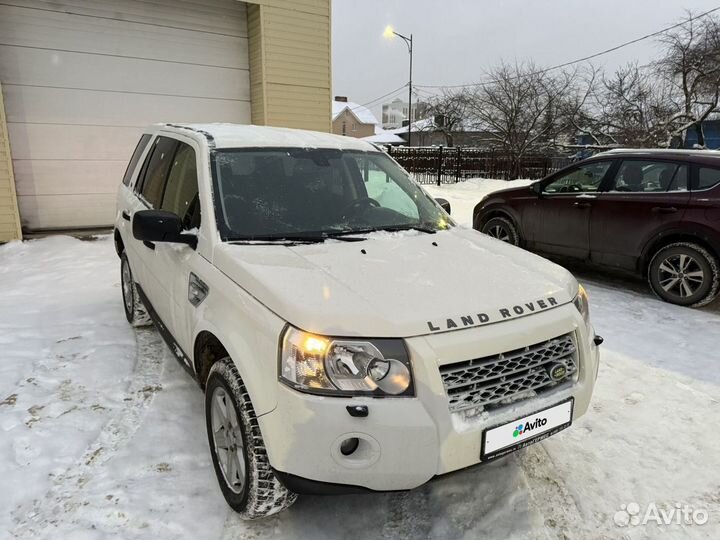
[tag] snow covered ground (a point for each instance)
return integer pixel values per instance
(102, 433)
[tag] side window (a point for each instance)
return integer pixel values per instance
(381, 187)
(584, 179)
(135, 158)
(637, 176)
(156, 171)
(181, 192)
(708, 177)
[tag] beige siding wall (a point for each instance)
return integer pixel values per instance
(289, 47)
(9, 218)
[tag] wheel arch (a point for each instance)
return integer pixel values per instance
(695, 236)
(212, 344)
(119, 244)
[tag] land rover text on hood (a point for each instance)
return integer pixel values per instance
(335, 315)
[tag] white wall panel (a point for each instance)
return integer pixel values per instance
(82, 78)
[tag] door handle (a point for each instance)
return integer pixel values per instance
(125, 215)
(582, 204)
(149, 245)
(664, 209)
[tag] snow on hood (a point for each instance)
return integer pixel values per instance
(402, 285)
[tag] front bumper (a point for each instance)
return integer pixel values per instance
(404, 442)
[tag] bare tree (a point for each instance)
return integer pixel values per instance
(519, 107)
(449, 112)
(691, 65)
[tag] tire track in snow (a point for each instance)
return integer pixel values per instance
(65, 494)
(551, 498)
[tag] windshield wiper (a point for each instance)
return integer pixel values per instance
(297, 238)
(395, 228)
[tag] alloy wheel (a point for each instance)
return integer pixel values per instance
(227, 440)
(499, 232)
(680, 275)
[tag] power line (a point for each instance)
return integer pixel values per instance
(396, 91)
(579, 60)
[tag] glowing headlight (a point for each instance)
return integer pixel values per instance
(582, 303)
(322, 365)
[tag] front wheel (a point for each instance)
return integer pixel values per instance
(241, 463)
(685, 274)
(503, 229)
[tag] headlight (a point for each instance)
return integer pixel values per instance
(582, 303)
(338, 366)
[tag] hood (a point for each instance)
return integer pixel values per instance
(399, 284)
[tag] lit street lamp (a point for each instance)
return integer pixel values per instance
(389, 33)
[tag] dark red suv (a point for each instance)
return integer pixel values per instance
(654, 212)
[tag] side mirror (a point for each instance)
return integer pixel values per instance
(160, 226)
(444, 203)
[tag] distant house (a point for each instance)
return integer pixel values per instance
(432, 132)
(711, 131)
(395, 113)
(351, 119)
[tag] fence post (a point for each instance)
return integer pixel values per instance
(439, 171)
(458, 157)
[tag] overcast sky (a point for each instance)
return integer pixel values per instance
(455, 40)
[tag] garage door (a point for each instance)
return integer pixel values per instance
(82, 78)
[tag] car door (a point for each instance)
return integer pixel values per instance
(172, 264)
(644, 197)
(127, 200)
(561, 217)
(148, 191)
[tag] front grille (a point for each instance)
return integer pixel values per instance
(494, 381)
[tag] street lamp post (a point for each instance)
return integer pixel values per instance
(389, 32)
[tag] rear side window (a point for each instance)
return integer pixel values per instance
(181, 192)
(708, 177)
(639, 176)
(139, 149)
(157, 167)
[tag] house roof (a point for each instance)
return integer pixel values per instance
(363, 114)
(384, 137)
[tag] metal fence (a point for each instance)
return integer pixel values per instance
(438, 165)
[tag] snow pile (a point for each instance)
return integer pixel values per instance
(463, 196)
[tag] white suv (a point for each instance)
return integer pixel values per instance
(347, 334)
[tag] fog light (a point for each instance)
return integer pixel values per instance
(348, 446)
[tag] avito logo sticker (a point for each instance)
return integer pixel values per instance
(529, 426)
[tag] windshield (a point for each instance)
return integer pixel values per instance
(286, 193)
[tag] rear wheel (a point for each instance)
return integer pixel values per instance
(685, 274)
(238, 452)
(503, 229)
(135, 311)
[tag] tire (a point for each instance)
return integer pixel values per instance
(135, 311)
(254, 491)
(502, 229)
(685, 274)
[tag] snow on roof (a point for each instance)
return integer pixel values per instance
(363, 114)
(420, 125)
(248, 136)
(384, 137)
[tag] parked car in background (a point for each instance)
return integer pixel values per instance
(653, 212)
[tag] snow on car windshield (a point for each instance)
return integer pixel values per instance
(276, 193)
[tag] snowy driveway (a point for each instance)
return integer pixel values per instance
(102, 433)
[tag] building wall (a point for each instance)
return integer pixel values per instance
(348, 119)
(280, 64)
(289, 48)
(9, 218)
